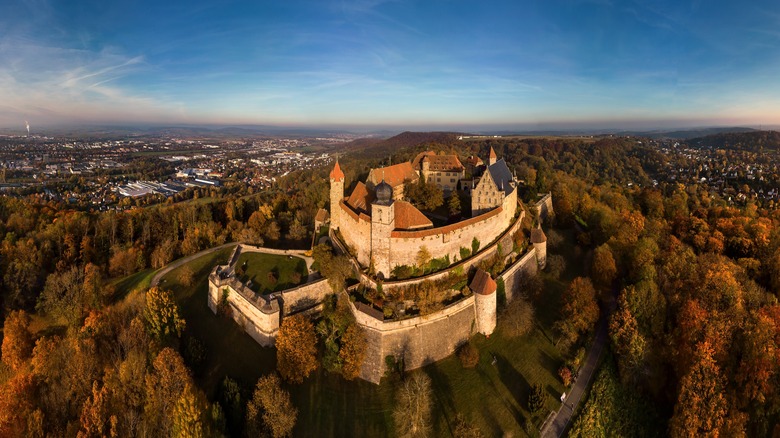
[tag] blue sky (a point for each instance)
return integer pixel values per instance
(426, 64)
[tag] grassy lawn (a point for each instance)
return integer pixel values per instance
(491, 396)
(258, 265)
(138, 281)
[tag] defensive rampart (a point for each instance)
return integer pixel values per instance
(260, 314)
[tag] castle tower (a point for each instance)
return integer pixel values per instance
(540, 246)
(382, 224)
(336, 195)
(485, 302)
(492, 157)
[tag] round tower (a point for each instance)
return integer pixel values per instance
(336, 195)
(485, 302)
(539, 241)
(382, 224)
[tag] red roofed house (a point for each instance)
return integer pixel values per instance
(443, 170)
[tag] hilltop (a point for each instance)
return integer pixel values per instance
(751, 141)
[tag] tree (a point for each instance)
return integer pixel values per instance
(556, 264)
(464, 429)
(629, 344)
(453, 204)
(536, 400)
(188, 414)
(701, 405)
(468, 355)
(474, 246)
(518, 318)
(296, 348)
(603, 268)
(186, 276)
(162, 314)
(95, 418)
(412, 412)
(17, 339)
(580, 310)
(270, 409)
(165, 385)
(352, 351)
(423, 257)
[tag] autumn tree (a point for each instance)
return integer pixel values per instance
(270, 409)
(412, 413)
(423, 257)
(352, 351)
(17, 339)
(628, 343)
(453, 204)
(165, 385)
(188, 413)
(517, 319)
(162, 314)
(16, 404)
(603, 268)
(186, 276)
(701, 404)
(580, 310)
(336, 268)
(296, 348)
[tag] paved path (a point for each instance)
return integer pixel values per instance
(246, 248)
(556, 427)
(175, 264)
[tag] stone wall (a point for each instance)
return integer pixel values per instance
(257, 315)
(484, 253)
(419, 341)
(525, 265)
(545, 208)
(448, 240)
(356, 233)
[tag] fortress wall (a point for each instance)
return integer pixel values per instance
(506, 246)
(545, 207)
(448, 240)
(261, 324)
(304, 297)
(356, 232)
(420, 341)
(526, 265)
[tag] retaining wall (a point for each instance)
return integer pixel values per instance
(419, 341)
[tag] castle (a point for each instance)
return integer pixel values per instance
(384, 231)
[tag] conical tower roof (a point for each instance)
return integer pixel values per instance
(336, 174)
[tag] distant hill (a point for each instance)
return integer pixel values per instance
(683, 134)
(372, 147)
(751, 141)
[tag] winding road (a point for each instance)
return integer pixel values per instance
(557, 427)
(175, 264)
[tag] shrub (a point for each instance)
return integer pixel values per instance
(468, 355)
(565, 374)
(464, 253)
(536, 399)
(474, 245)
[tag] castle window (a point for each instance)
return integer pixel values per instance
(452, 180)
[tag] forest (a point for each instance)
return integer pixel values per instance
(688, 284)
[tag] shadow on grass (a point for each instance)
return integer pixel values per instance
(444, 405)
(516, 384)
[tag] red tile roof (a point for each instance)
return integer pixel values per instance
(438, 163)
(361, 198)
(322, 215)
(336, 173)
(394, 175)
(407, 217)
(445, 229)
(482, 283)
(537, 236)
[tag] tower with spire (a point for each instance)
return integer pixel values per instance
(336, 195)
(492, 157)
